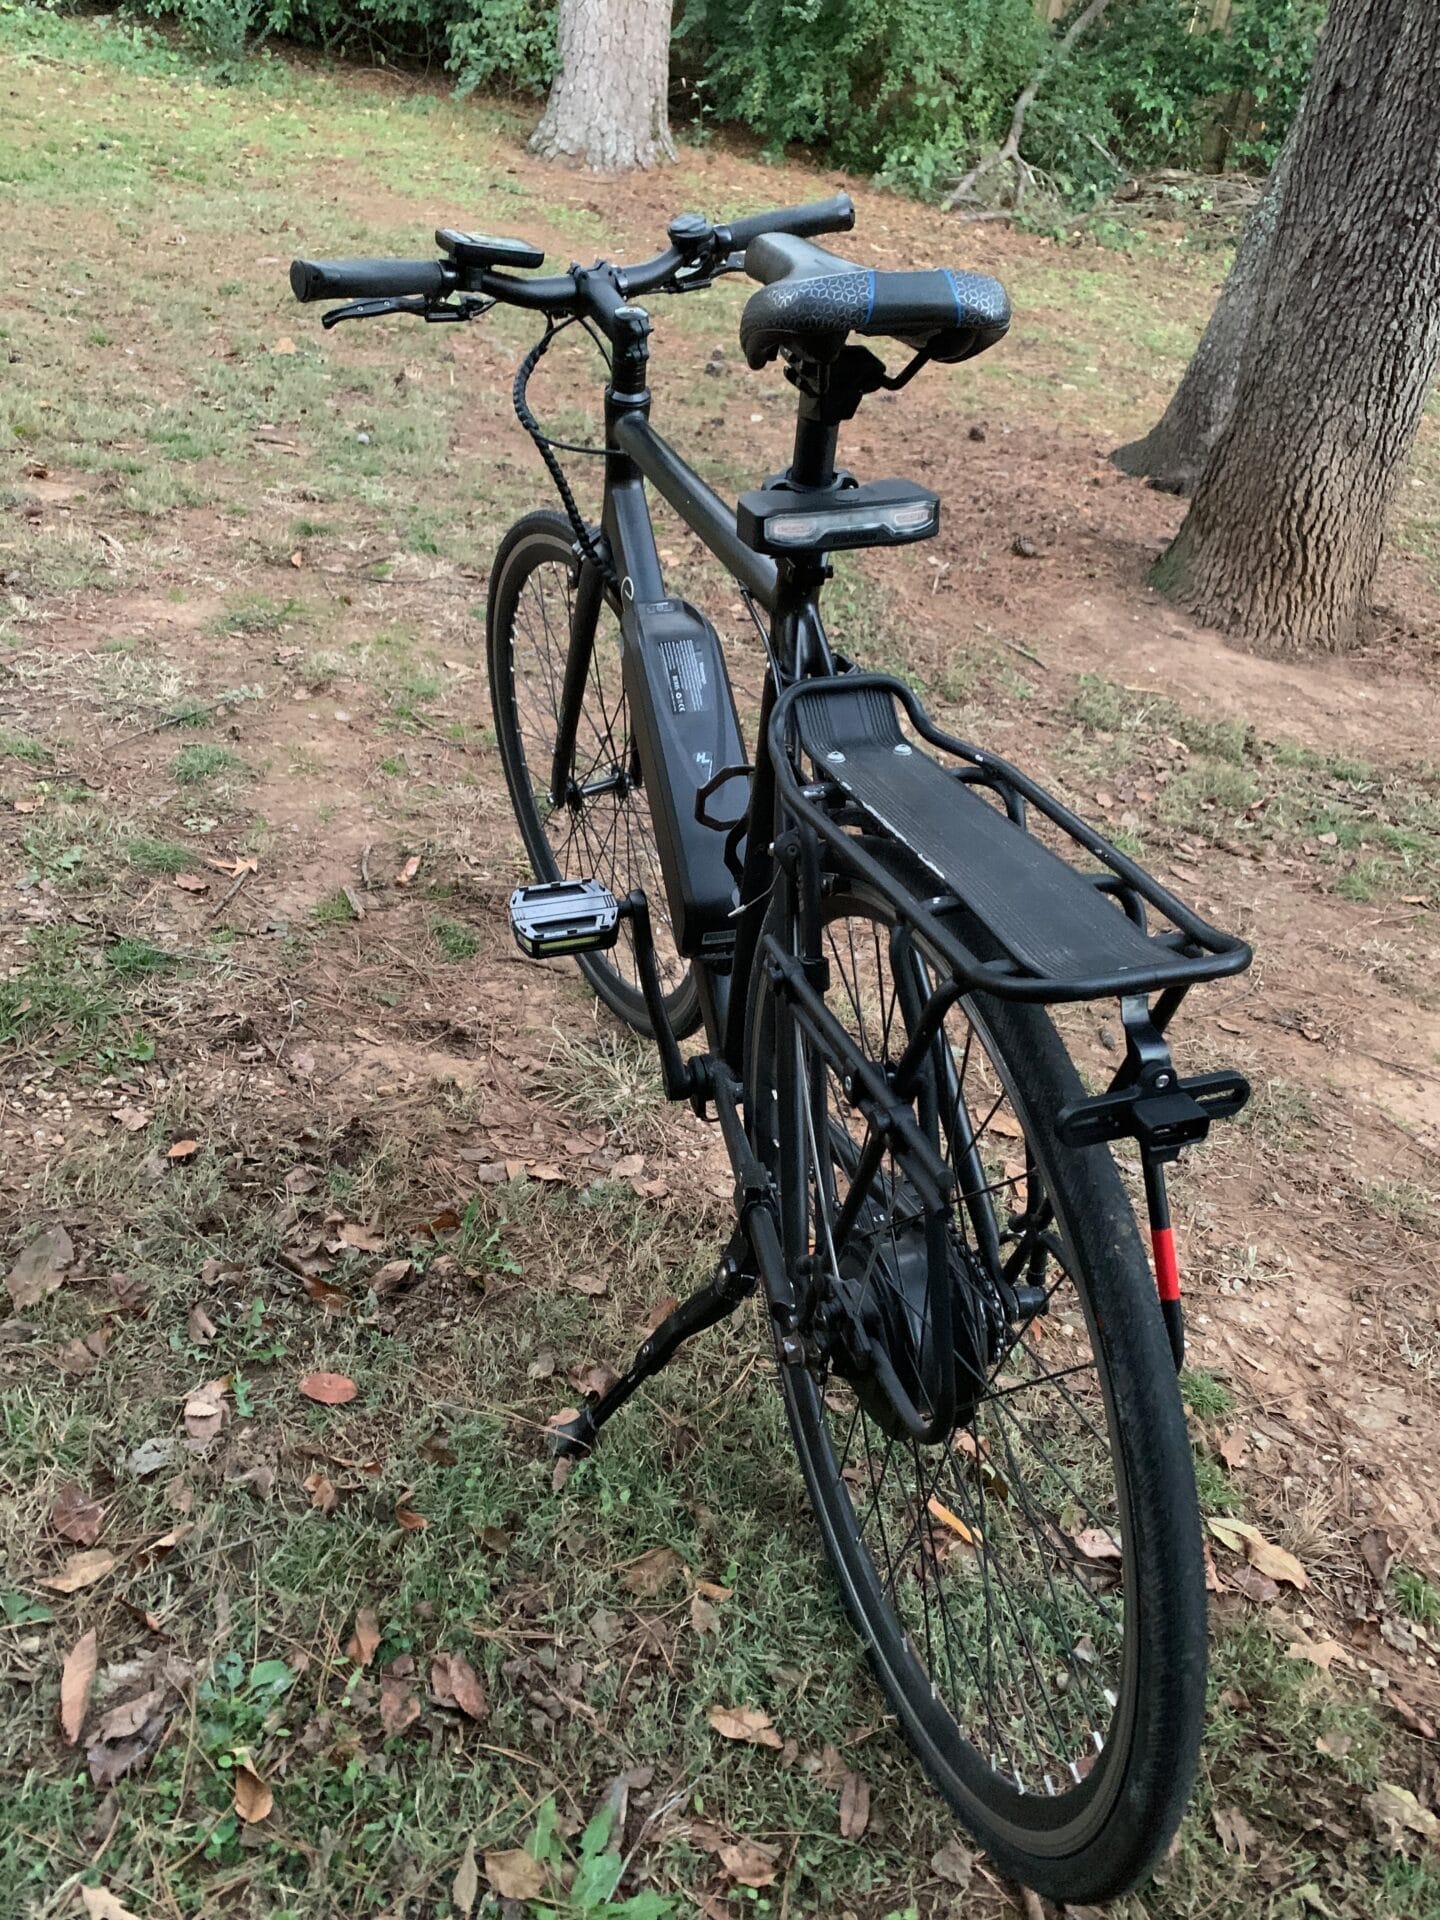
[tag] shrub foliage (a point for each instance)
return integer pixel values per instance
(912, 91)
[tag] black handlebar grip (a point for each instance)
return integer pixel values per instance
(821, 216)
(367, 279)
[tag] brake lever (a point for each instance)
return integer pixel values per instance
(416, 303)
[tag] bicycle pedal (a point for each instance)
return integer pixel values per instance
(564, 916)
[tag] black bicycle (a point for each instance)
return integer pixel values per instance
(870, 919)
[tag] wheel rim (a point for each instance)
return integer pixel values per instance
(601, 829)
(998, 1555)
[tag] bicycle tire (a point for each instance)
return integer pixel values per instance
(616, 846)
(1102, 1835)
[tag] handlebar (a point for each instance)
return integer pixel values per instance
(707, 250)
(836, 215)
(369, 279)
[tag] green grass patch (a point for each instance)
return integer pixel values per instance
(23, 747)
(454, 939)
(159, 856)
(1417, 1597)
(198, 765)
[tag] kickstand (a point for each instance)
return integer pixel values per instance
(714, 1302)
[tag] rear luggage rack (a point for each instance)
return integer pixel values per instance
(1065, 934)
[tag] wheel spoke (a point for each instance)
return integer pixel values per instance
(997, 1551)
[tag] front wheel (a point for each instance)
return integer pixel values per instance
(1030, 1586)
(599, 828)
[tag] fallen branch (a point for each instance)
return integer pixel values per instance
(1009, 153)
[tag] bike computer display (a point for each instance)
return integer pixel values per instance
(487, 250)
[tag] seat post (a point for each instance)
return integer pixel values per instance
(813, 462)
(829, 394)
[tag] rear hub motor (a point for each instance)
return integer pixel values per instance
(886, 1284)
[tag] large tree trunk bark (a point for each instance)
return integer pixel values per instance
(608, 105)
(1284, 535)
(1172, 455)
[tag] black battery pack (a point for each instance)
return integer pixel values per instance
(683, 715)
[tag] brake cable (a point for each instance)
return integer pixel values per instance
(546, 446)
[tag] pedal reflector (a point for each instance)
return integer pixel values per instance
(565, 916)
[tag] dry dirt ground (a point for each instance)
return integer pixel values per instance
(271, 1061)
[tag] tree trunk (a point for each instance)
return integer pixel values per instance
(1283, 538)
(608, 106)
(1176, 448)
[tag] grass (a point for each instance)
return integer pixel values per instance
(198, 765)
(1417, 1597)
(158, 856)
(119, 991)
(455, 940)
(1371, 836)
(21, 747)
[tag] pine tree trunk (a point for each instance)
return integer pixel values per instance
(1283, 538)
(608, 106)
(1173, 454)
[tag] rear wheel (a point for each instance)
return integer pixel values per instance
(600, 828)
(1030, 1587)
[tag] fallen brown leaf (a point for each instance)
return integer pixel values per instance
(205, 1411)
(1320, 1653)
(1274, 1562)
(954, 1864)
(652, 1571)
(321, 1491)
(1399, 1819)
(365, 1639)
(254, 1801)
(109, 1762)
(200, 1326)
(328, 1389)
(402, 879)
(661, 1311)
(703, 1617)
(40, 1269)
(363, 1239)
(192, 883)
(1235, 1833)
(125, 1720)
(331, 1298)
(1094, 1543)
(76, 1678)
(101, 1904)
(748, 1863)
(80, 1570)
(407, 1518)
(183, 1150)
(745, 1723)
(939, 1511)
(399, 1707)
(515, 1874)
(391, 1277)
(465, 1887)
(79, 1358)
(455, 1683)
(854, 1806)
(76, 1516)
(131, 1294)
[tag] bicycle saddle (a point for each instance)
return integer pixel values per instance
(811, 300)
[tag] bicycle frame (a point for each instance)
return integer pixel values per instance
(786, 590)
